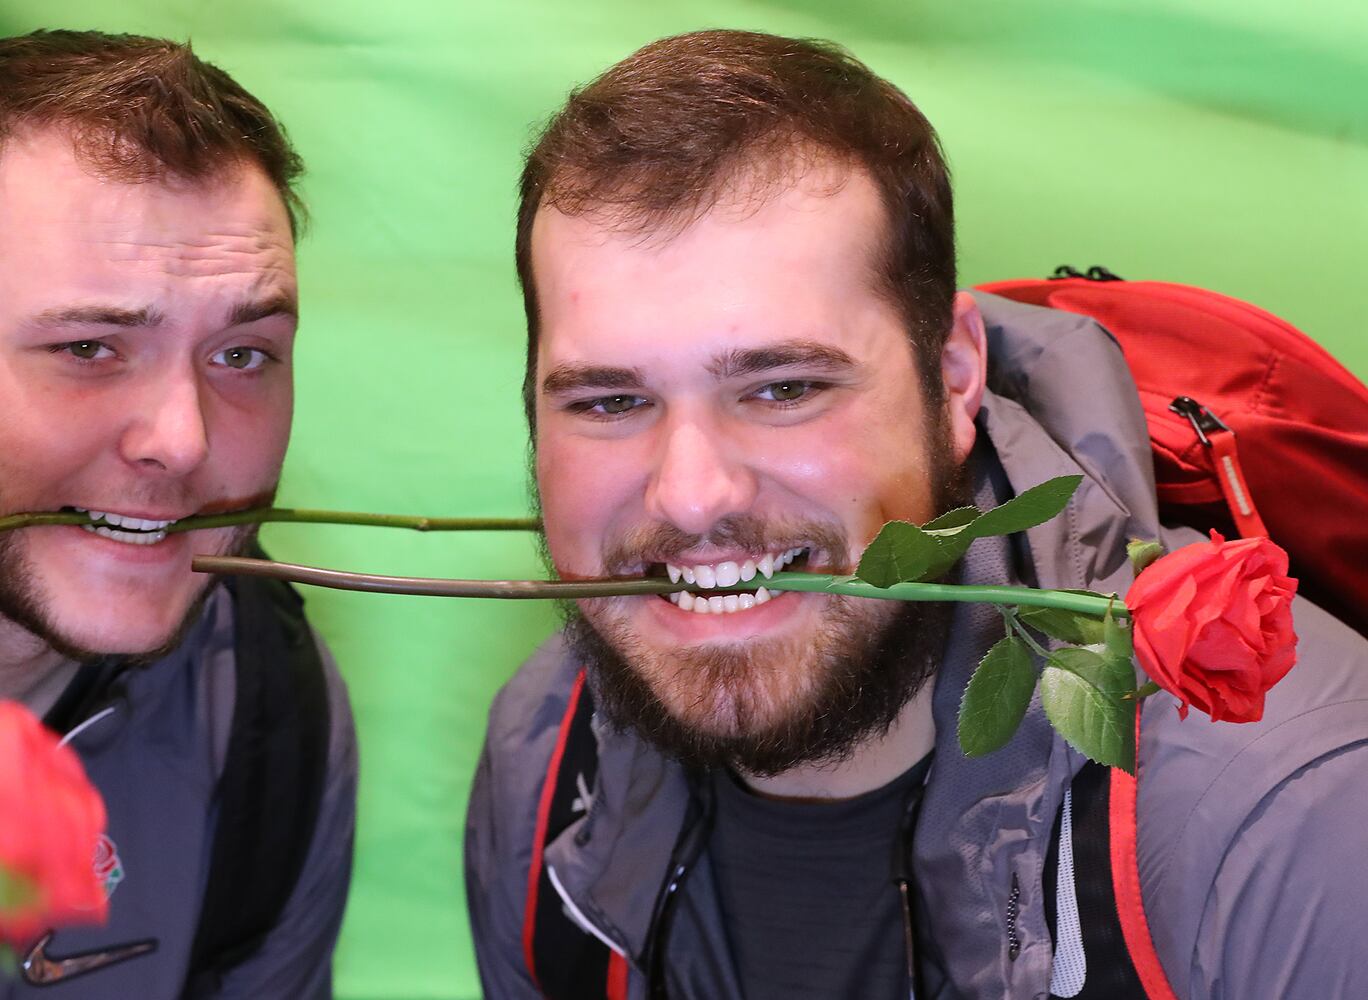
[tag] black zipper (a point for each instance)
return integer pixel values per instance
(1013, 908)
(1203, 420)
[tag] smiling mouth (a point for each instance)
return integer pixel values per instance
(722, 577)
(120, 528)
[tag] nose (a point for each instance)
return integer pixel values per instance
(699, 478)
(167, 431)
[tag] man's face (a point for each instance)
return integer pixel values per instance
(730, 397)
(146, 333)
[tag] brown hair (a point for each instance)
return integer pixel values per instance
(657, 138)
(140, 109)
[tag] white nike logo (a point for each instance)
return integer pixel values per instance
(40, 969)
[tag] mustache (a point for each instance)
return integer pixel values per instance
(654, 543)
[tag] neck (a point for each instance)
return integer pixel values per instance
(874, 763)
(26, 661)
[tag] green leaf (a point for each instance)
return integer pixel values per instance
(1084, 695)
(1034, 506)
(997, 698)
(1116, 636)
(953, 520)
(1067, 626)
(1142, 553)
(903, 552)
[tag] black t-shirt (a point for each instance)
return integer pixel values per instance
(807, 890)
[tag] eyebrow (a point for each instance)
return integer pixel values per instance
(240, 314)
(793, 353)
(277, 305)
(571, 378)
(97, 316)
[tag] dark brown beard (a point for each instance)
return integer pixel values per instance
(861, 687)
(21, 603)
(859, 672)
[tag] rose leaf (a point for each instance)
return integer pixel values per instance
(1084, 697)
(1029, 508)
(997, 698)
(903, 552)
(1067, 626)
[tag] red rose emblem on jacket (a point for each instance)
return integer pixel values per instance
(1213, 625)
(51, 819)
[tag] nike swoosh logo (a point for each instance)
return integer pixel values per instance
(41, 969)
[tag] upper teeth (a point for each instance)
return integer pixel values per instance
(729, 574)
(119, 521)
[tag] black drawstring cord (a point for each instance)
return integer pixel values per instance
(902, 878)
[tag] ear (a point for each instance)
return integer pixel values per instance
(964, 367)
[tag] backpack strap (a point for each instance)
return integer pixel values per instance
(1121, 963)
(268, 794)
(564, 960)
(1125, 867)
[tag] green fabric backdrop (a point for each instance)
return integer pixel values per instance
(1225, 147)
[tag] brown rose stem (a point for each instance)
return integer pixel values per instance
(296, 515)
(543, 589)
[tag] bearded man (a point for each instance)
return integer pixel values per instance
(746, 353)
(148, 307)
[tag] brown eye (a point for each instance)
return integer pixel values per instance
(241, 358)
(86, 350)
(786, 392)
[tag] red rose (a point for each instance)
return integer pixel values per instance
(51, 820)
(1213, 625)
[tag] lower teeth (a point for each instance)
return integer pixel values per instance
(701, 604)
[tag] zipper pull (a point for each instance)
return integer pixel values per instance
(1202, 419)
(1220, 439)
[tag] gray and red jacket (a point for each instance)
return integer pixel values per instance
(156, 740)
(1250, 839)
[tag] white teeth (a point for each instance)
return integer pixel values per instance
(717, 605)
(128, 537)
(728, 574)
(120, 521)
(685, 601)
(745, 601)
(701, 606)
(762, 595)
(729, 603)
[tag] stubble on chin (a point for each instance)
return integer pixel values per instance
(23, 603)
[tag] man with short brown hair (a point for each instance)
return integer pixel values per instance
(746, 353)
(148, 307)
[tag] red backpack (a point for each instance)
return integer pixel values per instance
(1214, 372)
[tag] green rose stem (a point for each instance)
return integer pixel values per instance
(263, 515)
(541, 589)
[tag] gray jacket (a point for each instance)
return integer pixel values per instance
(156, 758)
(1251, 837)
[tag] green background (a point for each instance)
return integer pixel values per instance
(1225, 146)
